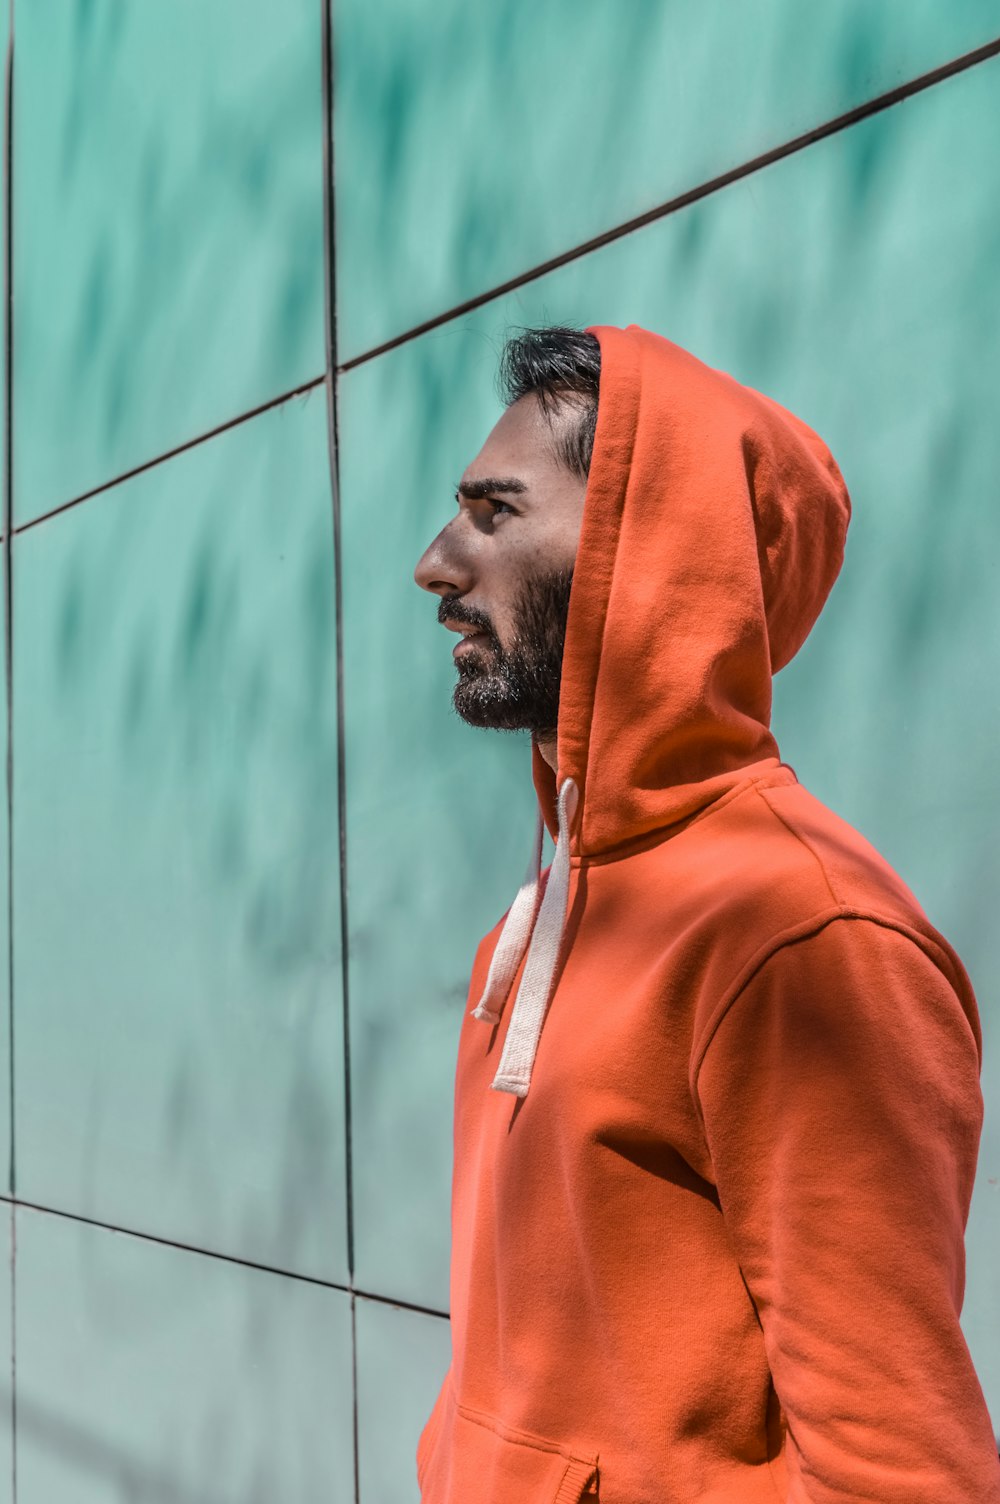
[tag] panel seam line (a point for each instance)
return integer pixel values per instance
(679, 201)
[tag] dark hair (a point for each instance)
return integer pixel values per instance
(557, 364)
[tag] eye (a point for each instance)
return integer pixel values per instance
(494, 503)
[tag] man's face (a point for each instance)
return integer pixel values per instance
(503, 567)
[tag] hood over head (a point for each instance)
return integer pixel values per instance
(714, 525)
(713, 529)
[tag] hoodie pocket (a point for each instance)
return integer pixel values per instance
(493, 1463)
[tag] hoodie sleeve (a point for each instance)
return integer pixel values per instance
(842, 1110)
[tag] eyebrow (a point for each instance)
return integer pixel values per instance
(477, 490)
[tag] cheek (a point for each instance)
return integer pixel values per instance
(500, 587)
(554, 547)
(509, 563)
(566, 544)
(501, 605)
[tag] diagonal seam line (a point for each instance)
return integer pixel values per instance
(168, 454)
(650, 216)
(689, 196)
(15, 1202)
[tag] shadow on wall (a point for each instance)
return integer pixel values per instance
(131, 1480)
(168, 228)
(179, 1060)
(474, 144)
(179, 1053)
(157, 1374)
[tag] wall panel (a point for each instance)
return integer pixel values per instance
(168, 210)
(148, 1373)
(403, 1357)
(6, 1356)
(4, 812)
(475, 142)
(177, 879)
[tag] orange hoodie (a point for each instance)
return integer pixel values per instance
(708, 1224)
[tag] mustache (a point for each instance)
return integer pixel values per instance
(465, 618)
(539, 599)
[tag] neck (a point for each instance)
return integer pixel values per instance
(547, 747)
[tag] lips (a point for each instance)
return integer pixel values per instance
(469, 633)
(468, 642)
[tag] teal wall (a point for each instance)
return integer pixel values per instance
(229, 712)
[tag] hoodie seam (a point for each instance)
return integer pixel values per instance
(648, 841)
(804, 843)
(804, 930)
(513, 1436)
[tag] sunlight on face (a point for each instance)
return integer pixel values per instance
(504, 565)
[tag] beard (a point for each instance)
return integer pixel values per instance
(518, 689)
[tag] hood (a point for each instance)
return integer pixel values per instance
(713, 529)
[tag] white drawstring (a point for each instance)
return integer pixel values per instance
(513, 937)
(518, 1057)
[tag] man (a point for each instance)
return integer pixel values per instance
(708, 1223)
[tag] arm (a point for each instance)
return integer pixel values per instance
(842, 1110)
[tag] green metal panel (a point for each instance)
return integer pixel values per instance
(854, 282)
(6, 1212)
(402, 1358)
(4, 936)
(6, 1371)
(4, 924)
(176, 877)
(150, 1373)
(167, 224)
(474, 142)
(6, 1245)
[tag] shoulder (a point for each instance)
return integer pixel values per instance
(787, 861)
(793, 869)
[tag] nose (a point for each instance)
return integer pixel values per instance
(441, 570)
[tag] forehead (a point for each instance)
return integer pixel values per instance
(521, 443)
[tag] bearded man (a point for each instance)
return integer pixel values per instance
(717, 1106)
